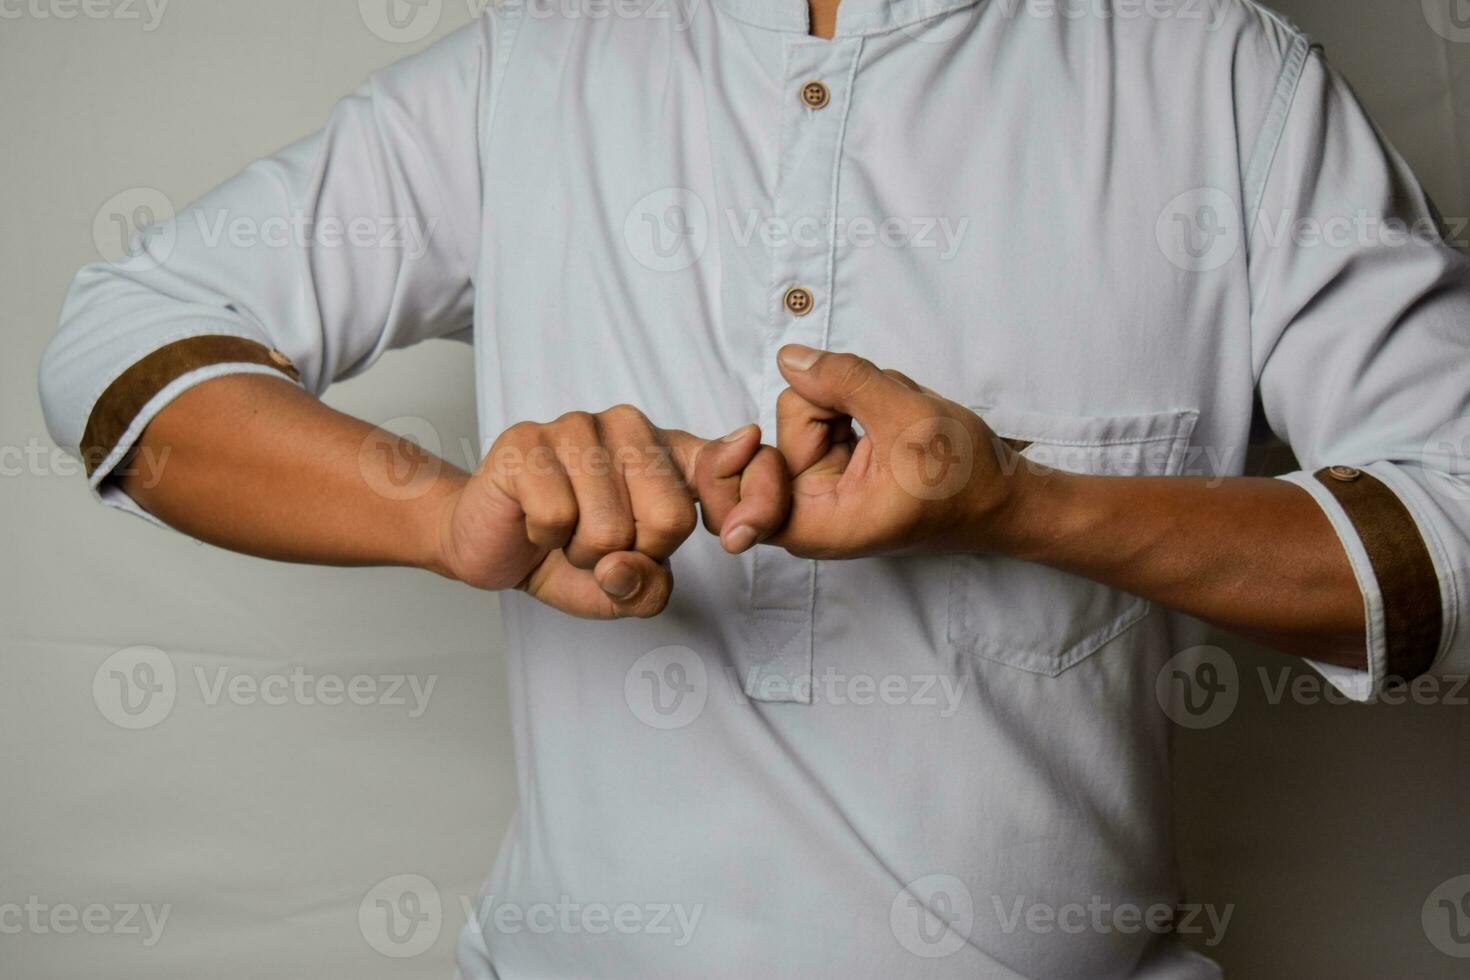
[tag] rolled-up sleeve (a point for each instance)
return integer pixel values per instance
(307, 265)
(1361, 344)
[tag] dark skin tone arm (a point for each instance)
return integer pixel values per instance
(1256, 556)
(582, 512)
(256, 465)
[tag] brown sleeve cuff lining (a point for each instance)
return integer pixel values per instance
(135, 387)
(1413, 619)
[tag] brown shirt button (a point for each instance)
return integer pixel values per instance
(815, 95)
(1345, 474)
(799, 301)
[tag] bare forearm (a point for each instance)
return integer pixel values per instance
(1256, 556)
(256, 465)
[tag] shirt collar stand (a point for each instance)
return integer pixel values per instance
(854, 17)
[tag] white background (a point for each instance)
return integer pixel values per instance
(264, 827)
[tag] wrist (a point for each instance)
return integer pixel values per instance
(433, 524)
(1033, 514)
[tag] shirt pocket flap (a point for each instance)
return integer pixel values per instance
(1040, 619)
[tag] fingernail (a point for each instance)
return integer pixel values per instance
(739, 433)
(741, 539)
(621, 583)
(799, 358)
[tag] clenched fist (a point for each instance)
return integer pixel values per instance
(925, 474)
(583, 513)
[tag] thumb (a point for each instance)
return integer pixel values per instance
(842, 383)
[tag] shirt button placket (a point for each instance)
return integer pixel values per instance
(803, 254)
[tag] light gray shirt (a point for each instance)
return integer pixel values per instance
(1122, 232)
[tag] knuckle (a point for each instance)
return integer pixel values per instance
(624, 414)
(675, 518)
(607, 537)
(521, 433)
(553, 519)
(577, 423)
(654, 598)
(854, 372)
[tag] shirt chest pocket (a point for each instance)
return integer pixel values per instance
(1035, 618)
